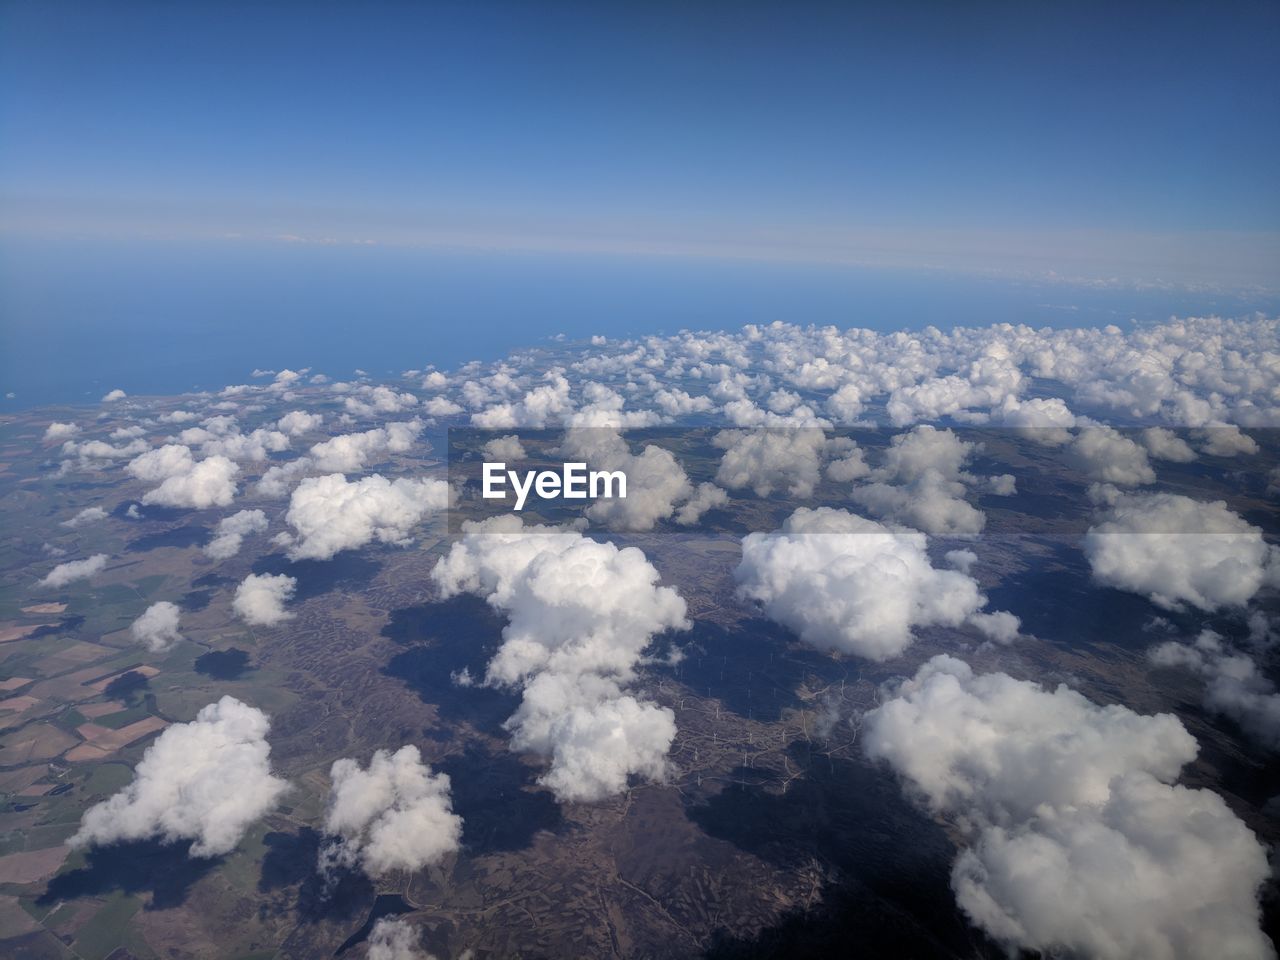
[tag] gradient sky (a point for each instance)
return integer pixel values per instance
(1091, 139)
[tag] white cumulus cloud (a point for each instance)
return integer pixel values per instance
(1080, 843)
(1164, 444)
(368, 401)
(1226, 440)
(771, 459)
(350, 452)
(60, 431)
(394, 939)
(1177, 551)
(848, 584)
(656, 482)
(1234, 686)
(73, 570)
(1104, 455)
(330, 514)
(581, 615)
(507, 449)
(184, 481)
(706, 497)
(260, 599)
(922, 483)
(231, 531)
(394, 815)
(86, 516)
(297, 422)
(204, 781)
(157, 628)
(441, 407)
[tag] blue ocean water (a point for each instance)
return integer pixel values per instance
(78, 318)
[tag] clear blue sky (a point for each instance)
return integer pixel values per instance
(652, 121)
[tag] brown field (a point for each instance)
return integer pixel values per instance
(14, 920)
(13, 683)
(83, 684)
(86, 751)
(16, 631)
(77, 653)
(14, 781)
(95, 710)
(102, 741)
(45, 608)
(40, 741)
(18, 704)
(102, 684)
(32, 865)
(14, 710)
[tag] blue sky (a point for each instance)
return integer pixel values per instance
(796, 129)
